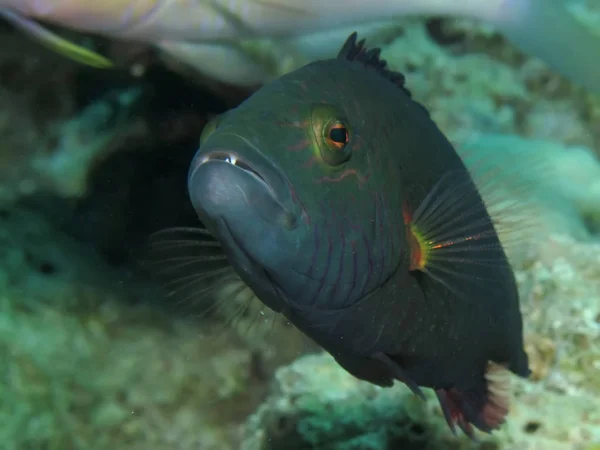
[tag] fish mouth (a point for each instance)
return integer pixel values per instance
(235, 160)
(241, 187)
(246, 201)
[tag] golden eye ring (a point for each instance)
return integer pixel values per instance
(336, 137)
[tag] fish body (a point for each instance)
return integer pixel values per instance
(333, 195)
(194, 31)
(213, 20)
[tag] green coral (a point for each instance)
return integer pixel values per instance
(372, 425)
(316, 404)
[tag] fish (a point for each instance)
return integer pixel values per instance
(55, 42)
(334, 199)
(213, 36)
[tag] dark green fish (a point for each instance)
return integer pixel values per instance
(337, 200)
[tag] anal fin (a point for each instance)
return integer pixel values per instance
(484, 406)
(399, 374)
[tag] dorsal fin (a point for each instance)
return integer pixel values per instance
(356, 51)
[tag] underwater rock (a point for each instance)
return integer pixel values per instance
(560, 299)
(472, 81)
(48, 145)
(314, 403)
(85, 140)
(587, 12)
(560, 183)
(59, 121)
(33, 100)
(92, 358)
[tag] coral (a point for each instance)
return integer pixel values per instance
(561, 184)
(91, 360)
(60, 121)
(587, 11)
(471, 79)
(315, 402)
(561, 303)
(48, 145)
(83, 141)
(32, 102)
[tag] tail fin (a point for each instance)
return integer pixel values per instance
(484, 406)
(546, 29)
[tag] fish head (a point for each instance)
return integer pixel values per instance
(296, 185)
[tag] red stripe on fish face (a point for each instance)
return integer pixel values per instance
(311, 162)
(362, 179)
(298, 146)
(301, 125)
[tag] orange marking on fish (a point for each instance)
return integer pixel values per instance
(295, 124)
(302, 85)
(458, 241)
(406, 214)
(311, 162)
(298, 146)
(346, 173)
(416, 262)
(418, 257)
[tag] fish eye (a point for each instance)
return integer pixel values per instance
(337, 135)
(336, 138)
(331, 135)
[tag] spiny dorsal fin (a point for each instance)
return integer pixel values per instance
(356, 51)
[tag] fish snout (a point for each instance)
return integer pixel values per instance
(223, 184)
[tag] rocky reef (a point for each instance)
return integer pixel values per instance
(95, 357)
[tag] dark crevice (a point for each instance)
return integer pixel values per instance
(142, 186)
(438, 32)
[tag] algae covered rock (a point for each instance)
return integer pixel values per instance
(49, 144)
(90, 361)
(316, 404)
(559, 184)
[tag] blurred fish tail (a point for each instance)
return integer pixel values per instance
(54, 42)
(547, 29)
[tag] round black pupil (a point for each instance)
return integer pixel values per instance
(338, 135)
